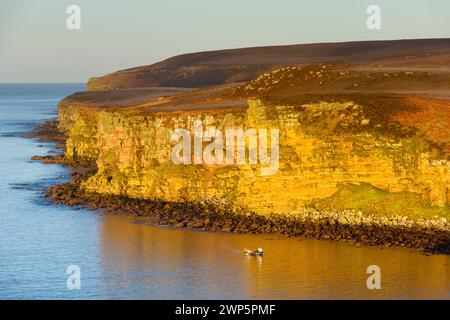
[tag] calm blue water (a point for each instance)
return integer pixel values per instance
(37, 241)
(125, 258)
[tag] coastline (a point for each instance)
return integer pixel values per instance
(363, 153)
(429, 235)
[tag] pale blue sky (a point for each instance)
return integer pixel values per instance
(36, 46)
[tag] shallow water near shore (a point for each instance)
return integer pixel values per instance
(124, 257)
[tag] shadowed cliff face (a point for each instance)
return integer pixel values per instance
(238, 65)
(369, 135)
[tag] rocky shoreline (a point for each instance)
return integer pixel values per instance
(430, 235)
(48, 132)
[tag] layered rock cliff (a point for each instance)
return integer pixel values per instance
(133, 155)
(368, 137)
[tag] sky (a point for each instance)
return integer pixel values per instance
(37, 46)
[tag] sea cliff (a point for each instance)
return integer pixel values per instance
(133, 156)
(358, 156)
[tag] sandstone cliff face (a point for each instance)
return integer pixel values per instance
(133, 154)
(79, 123)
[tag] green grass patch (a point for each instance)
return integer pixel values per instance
(371, 200)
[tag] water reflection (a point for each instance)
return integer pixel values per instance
(160, 262)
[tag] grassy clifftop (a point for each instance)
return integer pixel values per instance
(202, 69)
